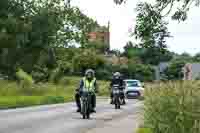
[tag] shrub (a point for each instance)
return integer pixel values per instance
(104, 88)
(26, 81)
(103, 74)
(140, 72)
(87, 59)
(21, 75)
(173, 107)
(56, 75)
(174, 71)
(39, 76)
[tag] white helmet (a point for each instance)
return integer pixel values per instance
(117, 75)
(90, 71)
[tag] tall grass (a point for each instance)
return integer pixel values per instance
(173, 107)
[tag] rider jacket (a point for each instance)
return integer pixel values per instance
(87, 85)
(118, 82)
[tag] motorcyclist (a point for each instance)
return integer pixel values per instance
(89, 82)
(117, 80)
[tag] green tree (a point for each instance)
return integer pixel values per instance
(151, 29)
(178, 8)
(147, 55)
(174, 71)
(131, 50)
(197, 57)
(186, 56)
(64, 58)
(31, 29)
(86, 59)
(98, 46)
(141, 72)
(154, 56)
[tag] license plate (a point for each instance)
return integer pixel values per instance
(116, 91)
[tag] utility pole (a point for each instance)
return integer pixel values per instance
(108, 36)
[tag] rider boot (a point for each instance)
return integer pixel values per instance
(111, 97)
(78, 102)
(93, 104)
(123, 99)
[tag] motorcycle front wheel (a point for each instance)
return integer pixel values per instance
(117, 103)
(88, 115)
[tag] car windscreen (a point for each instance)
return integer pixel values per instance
(133, 84)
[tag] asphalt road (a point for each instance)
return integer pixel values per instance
(62, 118)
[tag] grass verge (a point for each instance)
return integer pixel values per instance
(13, 96)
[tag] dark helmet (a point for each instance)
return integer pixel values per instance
(90, 73)
(117, 75)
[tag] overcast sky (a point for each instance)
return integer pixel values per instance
(122, 19)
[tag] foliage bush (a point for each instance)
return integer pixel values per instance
(40, 73)
(140, 71)
(173, 107)
(56, 75)
(104, 88)
(174, 71)
(21, 75)
(103, 74)
(25, 81)
(87, 59)
(135, 71)
(38, 76)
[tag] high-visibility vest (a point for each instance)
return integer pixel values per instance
(89, 85)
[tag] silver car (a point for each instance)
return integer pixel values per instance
(133, 88)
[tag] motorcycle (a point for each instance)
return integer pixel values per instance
(86, 104)
(118, 101)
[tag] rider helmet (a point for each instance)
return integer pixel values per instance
(117, 75)
(89, 73)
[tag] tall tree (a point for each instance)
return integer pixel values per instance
(30, 28)
(151, 29)
(178, 8)
(132, 51)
